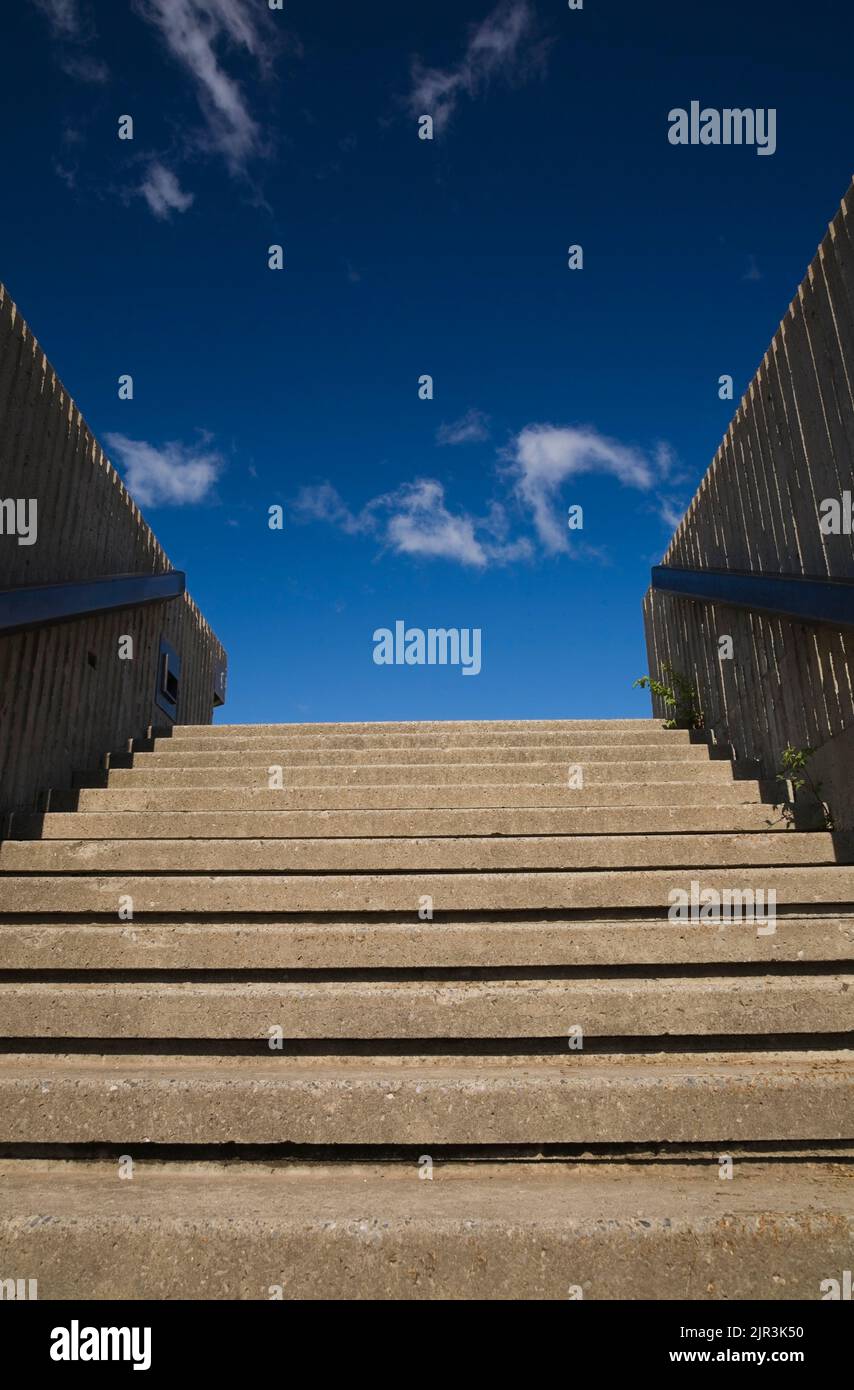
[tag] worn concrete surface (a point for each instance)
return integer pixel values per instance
(211, 943)
(372, 855)
(403, 1100)
(449, 772)
(640, 795)
(400, 892)
(539, 1006)
(250, 825)
(464, 736)
(550, 915)
(478, 1231)
(443, 727)
(401, 755)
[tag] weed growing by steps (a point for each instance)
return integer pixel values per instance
(794, 776)
(680, 696)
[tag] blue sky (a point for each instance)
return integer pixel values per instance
(403, 257)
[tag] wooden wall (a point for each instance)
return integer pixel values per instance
(790, 446)
(65, 697)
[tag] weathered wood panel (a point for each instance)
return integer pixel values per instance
(789, 447)
(65, 697)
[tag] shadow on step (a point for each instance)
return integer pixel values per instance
(701, 1155)
(432, 974)
(429, 1047)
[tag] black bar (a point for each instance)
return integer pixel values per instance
(222, 1340)
(46, 604)
(799, 597)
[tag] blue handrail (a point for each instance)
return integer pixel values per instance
(45, 604)
(802, 598)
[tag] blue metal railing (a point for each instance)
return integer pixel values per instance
(46, 604)
(801, 598)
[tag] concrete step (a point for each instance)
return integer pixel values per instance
(476, 1231)
(267, 825)
(535, 1005)
(400, 892)
(367, 855)
(563, 754)
(403, 727)
(334, 943)
(675, 1098)
(257, 910)
(340, 775)
(652, 794)
(468, 737)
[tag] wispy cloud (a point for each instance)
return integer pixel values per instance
(672, 489)
(420, 523)
(325, 503)
(543, 457)
(63, 16)
(67, 173)
(194, 31)
(416, 520)
(671, 512)
(208, 39)
(502, 45)
(752, 272)
(173, 475)
(74, 32)
(162, 191)
(85, 67)
(471, 428)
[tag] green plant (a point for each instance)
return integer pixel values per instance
(793, 774)
(680, 696)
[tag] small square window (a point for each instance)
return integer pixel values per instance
(168, 679)
(220, 673)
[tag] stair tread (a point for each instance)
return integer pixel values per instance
(469, 1069)
(368, 854)
(342, 775)
(519, 1192)
(261, 824)
(440, 725)
(638, 1005)
(331, 941)
(485, 890)
(433, 796)
(217, 756)
(404, 1099)
(485, 1230)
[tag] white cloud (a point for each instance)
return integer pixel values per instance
(671, 512)
(472, 428)
(324, 503)
(543, 457)
(62, 15)
(415, 520)
(191, 30)
(84, 67)
(174, 475)
(73, 32)
(499, 46)
(665, 459)
(672, 483)
(163, 193)
(66, 173)
(420, 523)
(424, 526)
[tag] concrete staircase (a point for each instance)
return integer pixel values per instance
(283, 1078)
